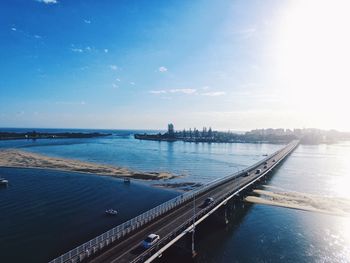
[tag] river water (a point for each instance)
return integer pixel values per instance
(274, 234)
(44, 213)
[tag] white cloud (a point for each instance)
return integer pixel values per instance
(184, 91)
(115, 86)
(25, 34)
(214, 93)
(158, 91)
(113, 67)
(48, 1)
(87, 21)
(81, 49)
(105, 50)
(132, 83)
(77, 50)
(162, 69)
(117, 79)
(189, 91)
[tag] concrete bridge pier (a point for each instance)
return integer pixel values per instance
(239, 201)
(225, 215)
(221, 216)
(183, 248)
(231, 211)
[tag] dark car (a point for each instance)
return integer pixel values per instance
(208, 201)
(246, 174)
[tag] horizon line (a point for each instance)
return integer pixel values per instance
(164, 129)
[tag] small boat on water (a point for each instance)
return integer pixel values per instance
(111, 212)
(3, 181)
(126, 180)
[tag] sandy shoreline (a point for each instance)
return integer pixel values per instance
(22, 159)
(302, 201)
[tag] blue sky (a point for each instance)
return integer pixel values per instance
(142, 64)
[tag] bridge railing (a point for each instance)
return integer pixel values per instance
(170, 236)
(152, 250)
(117, 233)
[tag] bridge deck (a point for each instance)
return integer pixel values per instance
(180, 218)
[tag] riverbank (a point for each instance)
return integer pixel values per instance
(22, 159)
(49, 135)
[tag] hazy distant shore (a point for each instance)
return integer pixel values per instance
(269, 135)
(51, 135)
(21, 159)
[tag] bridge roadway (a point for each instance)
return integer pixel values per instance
(129, 249)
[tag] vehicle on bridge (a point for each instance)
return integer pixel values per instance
(246, 174)
(258, 171)
(150, 240)
(208, 201)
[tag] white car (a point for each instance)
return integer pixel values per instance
(150, 240)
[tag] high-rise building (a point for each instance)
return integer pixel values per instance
(171, 130)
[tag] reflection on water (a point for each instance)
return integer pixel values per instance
(275, 234)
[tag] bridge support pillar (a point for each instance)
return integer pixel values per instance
(226, 221)
(221, 216)
(184, 248)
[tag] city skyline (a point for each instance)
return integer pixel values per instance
(130, 65)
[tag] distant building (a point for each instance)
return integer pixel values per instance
(210, 133)
(171, 130)
(306, 135)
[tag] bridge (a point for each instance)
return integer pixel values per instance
(171, 220)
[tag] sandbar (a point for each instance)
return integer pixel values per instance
(22, 159)
(302, 201)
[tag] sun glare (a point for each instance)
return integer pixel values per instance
(313, 60)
